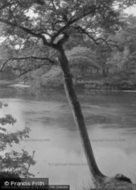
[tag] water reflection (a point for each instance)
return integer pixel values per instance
(111, 123)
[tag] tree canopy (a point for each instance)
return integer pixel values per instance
(32, 30)
(49, 22)
(50, 25)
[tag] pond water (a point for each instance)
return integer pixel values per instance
(111, 123)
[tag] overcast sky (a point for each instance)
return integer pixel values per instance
(131, 10)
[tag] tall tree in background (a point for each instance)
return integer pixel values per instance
(51, 24)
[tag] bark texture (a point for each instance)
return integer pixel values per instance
(102, 182)
(79, 118)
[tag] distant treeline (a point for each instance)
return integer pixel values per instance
(7, 75)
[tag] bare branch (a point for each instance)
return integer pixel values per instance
(27, 30)
(83, 13)
(109, 43)
(3, 65)
(34, 57)
(83, 31)
(26, 58)
(30, 69)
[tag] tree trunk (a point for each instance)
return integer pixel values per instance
(97, 176)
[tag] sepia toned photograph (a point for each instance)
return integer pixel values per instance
(68, 94)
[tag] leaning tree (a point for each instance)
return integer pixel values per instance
(51, 23)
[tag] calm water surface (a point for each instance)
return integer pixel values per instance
(111, 123)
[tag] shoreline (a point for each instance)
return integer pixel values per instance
(21, 84)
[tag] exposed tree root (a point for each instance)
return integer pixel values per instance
(119, 182)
